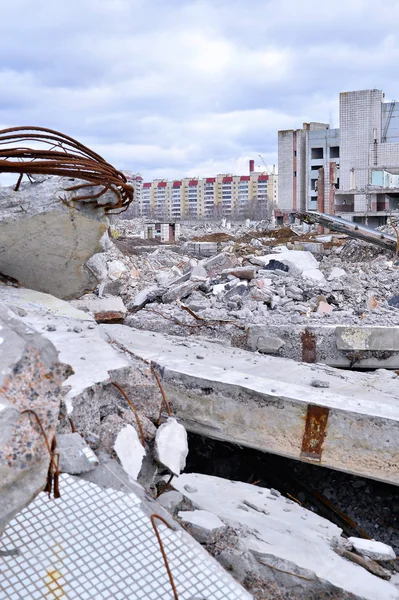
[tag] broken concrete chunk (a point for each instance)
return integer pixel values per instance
(130, 451)
(181, 291)
(170, 500)
(9, 415)
(72, 237)
(299, 262)
(203, 525)
(324, 308)
(372, 549)
(31, 376)
(146, 295)
(199, 272)
(116, 269)
(171, 446)
(336, 273)
(107, 309)
(75, 455)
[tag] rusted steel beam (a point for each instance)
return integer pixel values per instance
(315, 432)
(64, 156)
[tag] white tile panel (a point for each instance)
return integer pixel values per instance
(99, 544)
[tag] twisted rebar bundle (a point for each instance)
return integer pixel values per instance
(66, 157)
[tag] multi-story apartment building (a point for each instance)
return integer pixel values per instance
(352, 171)
(222, 195)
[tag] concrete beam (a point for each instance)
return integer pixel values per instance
(342, 420)
(361, 347)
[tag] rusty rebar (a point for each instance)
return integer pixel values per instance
(122, 391)
(164, 398)
(66, 157)
(165, 558)
(53, 472)
(165, 487)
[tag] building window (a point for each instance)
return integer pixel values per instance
(334, 152)
(294, 173)
(294, 152)
(317, 153)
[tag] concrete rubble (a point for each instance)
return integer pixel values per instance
(237, 334)
(273, 545)
(30, 379)
(45, 241)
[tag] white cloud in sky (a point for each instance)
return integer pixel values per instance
(182, 87)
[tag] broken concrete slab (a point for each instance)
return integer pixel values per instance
(287, 550)
(74, 334)
(44, 211)
(233, 395)
(299, 262)
(372, 549)
(107, 309)
(31, 376)
(203, 525)
(180, 291)
(368, 347)
(75, 455)
(171, 446)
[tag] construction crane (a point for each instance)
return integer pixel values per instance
(266, 167)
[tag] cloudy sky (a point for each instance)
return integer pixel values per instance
(171, 88)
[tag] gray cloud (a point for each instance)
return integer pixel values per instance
(180, 87)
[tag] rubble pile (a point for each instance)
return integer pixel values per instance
(122, 352)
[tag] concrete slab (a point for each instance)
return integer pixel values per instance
(269, 403)
(74, 334)
(368, 347)
(284, 544)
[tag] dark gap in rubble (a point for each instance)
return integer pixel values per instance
(372, 505)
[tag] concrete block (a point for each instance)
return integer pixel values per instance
(70, 237)
(75, 455)
(171, 446)
(372, 549)
(249, 400)
(31, 375)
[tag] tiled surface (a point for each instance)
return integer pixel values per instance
(96, 544)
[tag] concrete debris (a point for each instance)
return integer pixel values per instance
(237, 396)
(171, 501)
(236, 322)
(130, 451)
(31, 377)
(275, 542)
(203, 525)
(72, 236)
(372, 549)
(107, 309)
(75, 455)
(171, 446)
